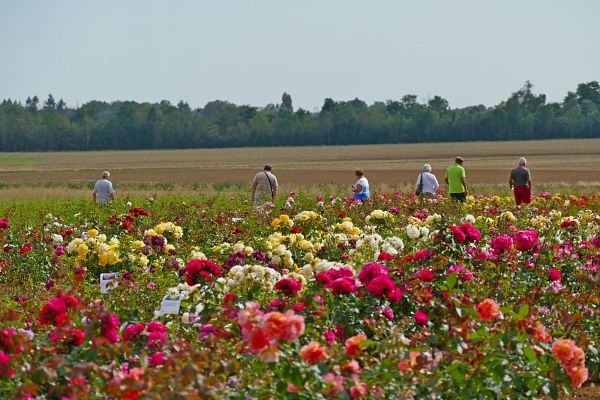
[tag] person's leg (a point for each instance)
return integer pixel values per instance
(517, 195)
(360, 197)
(259, 199)
(522, 195)
(527, 195)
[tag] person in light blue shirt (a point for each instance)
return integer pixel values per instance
(361, 187)
(103, 190)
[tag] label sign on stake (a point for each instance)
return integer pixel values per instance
(170, 304)
(108, 281)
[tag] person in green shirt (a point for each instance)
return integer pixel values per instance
(456, 180)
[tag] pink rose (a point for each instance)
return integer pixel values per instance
(421, 318)
(555, 275)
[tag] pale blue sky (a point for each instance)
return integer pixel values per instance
(250, 52)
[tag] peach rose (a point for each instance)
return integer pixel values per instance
(578, 375)
(313, 352)
(488, 309)
(353, 344)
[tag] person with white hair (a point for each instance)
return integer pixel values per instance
(427, 183)
(103, 190)
(520, 182)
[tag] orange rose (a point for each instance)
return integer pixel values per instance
(313, 352)
(578, 375)
(294, 326)
(488, 309)
(353, 344)
(275, 323)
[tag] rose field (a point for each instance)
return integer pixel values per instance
(312, 297)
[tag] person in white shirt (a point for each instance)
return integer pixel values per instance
(103, 190)
(430, 182)
(361, 187)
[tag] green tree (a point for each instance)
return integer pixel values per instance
(183, 106)
(286, 103)
(61, 106)
(438, 104)
(32, 104)
(50, 103)
(589, 91)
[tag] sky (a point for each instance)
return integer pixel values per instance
(249, 52)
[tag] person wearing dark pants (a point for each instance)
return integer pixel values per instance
(456, 179)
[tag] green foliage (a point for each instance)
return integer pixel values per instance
(129, 125)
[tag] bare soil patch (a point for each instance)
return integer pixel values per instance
(571, 162)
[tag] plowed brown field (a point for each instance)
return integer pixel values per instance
(571, 162)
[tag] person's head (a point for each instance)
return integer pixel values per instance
(459, 160)
(522, 162)
(105, 174)
(359, 172)
(426, 168)
(267, 167)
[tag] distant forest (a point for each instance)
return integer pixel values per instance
(52, 126)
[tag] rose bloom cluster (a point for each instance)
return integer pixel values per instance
(264, 332)
(198, 271)
(375, 277)
(339, 280)
(465, 233)
(572, 359)
(155, 335)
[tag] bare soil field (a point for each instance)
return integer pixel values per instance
(553, 162)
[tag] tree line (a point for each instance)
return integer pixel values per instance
(98, 125)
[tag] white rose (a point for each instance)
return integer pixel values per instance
(412, 231)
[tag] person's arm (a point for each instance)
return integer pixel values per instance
(94, 196)
(529, 180)
(464, 183)
(446, 178)
(253, 188)
(357, 188)
(436, 185)
(275, 186)
(511, 181)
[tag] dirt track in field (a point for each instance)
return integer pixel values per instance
(551, 161)
(289, 176)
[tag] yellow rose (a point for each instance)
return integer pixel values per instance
(92, 232)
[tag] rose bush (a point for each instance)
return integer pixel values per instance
(393, 297)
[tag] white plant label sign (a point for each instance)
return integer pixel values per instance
(108, 281)
(170, 304)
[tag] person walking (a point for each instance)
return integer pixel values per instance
(264, 186)
(361, 187)
(520, 182)
(456, 179)
(103, 190)
(427, 183)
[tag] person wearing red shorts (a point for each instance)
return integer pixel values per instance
(520, 182)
